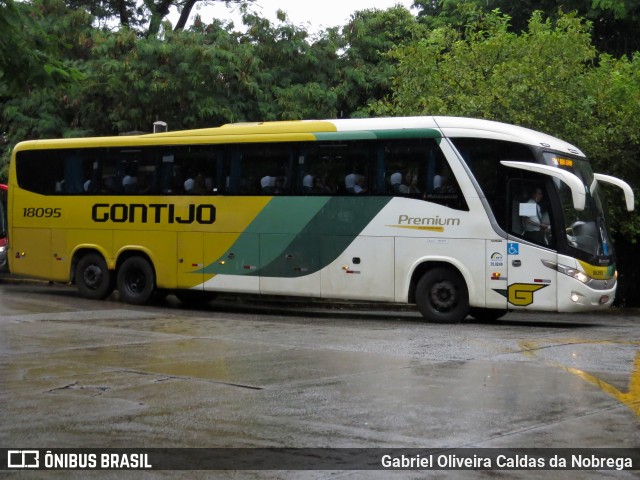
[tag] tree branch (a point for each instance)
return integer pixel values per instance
(158, 12)
(184, 14)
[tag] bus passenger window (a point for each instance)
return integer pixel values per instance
(265, 169)
(324, 161)
(443, 188)
(189, 171)
(68, 171)
(406, 168)
(166, 172)
(418, 169)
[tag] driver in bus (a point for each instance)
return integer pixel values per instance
(534, 225)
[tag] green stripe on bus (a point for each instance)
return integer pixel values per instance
(297, 237)
(357, 135)
(326, 236)
(407, 133)
(390, 134)
(281, 216)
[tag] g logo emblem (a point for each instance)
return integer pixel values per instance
(521, 294)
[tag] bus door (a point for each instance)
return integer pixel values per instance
(532, 241)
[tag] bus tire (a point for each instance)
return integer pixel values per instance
(93, 278)
(442, 296)
(136, 281)
(487, 314)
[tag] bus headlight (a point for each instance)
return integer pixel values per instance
(572, 272)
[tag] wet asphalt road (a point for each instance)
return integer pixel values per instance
(80, 373)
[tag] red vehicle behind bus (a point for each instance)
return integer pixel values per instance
(3, 227)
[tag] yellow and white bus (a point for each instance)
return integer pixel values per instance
(437, 211)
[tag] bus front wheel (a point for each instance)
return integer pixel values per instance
(93, 278)
(136, 281)
(442, 296)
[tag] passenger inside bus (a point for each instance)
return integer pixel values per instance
(410, 185)
(197, 184)
(307, 183)
(360, 186)
(395, 180)
(268, 185)
(130, 181)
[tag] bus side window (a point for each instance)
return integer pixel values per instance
(357, 179)
(31, 175)
(324, 162)
(165, 174)
(442, 187)
(199, 170)
(405, 168)
(266, 169)
(108, 182)
(74, 173)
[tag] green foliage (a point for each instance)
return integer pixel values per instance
(367, 71)
(30, 53)
(615, 24)
(188, 79)
(145, 17)
(41, 46)
(549, 78)
(205, 76)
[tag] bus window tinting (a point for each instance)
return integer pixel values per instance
(411, 168)
(483, 158)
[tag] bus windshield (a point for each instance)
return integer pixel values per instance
(585, 229)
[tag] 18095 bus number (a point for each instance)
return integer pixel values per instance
(41, 212)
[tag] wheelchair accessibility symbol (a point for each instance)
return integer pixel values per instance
(513, 249)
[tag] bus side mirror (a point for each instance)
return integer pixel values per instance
(578, 194)
(626, 188)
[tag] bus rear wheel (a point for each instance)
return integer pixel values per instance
(93, 278)
(136, 281)
(442, 296)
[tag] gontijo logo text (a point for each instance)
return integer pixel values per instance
(153, 213)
